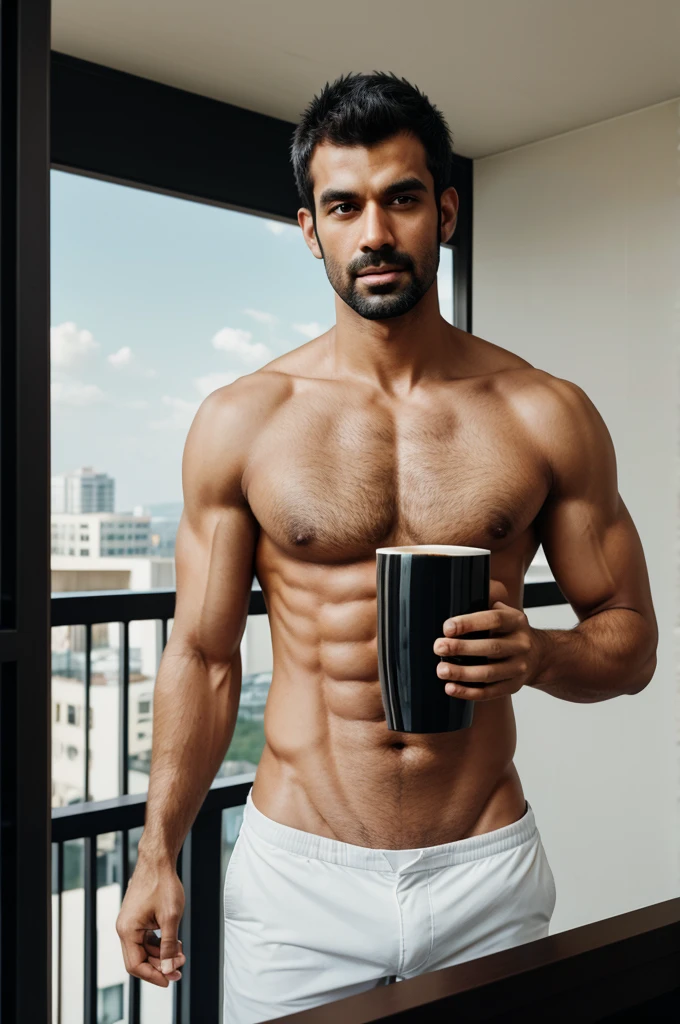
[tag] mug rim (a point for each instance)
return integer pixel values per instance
(459, 550)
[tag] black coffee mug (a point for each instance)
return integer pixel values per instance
(419, 586)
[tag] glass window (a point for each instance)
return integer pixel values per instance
(71, 714)
(110, 1004)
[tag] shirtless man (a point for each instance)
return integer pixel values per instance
(366, 854)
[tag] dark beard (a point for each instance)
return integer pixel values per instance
(384, 300)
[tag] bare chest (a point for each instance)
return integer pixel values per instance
(332, 480)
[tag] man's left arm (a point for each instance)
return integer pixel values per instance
(597, 560)
(596, 557)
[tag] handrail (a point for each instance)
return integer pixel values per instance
(83, 607)
(96, 817)
(587, 974)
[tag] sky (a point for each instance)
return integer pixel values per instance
(156, 301)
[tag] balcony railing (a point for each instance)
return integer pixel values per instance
(200, 866)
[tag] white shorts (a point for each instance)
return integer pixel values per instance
(308, 920)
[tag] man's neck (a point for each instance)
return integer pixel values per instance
(394, 355)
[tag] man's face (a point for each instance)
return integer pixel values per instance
(376, 208)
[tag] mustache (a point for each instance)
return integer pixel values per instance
(403, 262)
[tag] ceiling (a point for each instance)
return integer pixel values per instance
(504, 72)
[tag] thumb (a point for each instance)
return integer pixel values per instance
(170, 946)
(497, 592)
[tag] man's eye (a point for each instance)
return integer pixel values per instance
(409, 200)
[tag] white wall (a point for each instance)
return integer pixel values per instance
(576, 267)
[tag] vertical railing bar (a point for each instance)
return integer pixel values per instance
(201, 872)
(90, 1004)
(60, 930)
(164, 632)
(88, 659)
(124, 706)
(133, 984)
(134, 1000)
(177, 994)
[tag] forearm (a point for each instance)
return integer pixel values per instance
(609, 654)
(194, 715)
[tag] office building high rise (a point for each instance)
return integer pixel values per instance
(83, 491)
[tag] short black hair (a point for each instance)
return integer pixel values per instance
(360, 110)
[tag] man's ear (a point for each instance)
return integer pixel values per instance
(448, 202)
(306, 222)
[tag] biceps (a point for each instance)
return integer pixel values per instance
(597, 559)
(214, 567)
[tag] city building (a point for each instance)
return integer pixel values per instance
(165, 517)
(100, 534)
(83, 490)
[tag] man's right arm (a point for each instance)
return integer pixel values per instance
(198, 685)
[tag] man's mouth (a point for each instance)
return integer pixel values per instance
(375, 276)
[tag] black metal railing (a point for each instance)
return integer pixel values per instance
(196, 997)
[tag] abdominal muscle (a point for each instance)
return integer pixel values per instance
(331, 767)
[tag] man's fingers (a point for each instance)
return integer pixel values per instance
(497, 592)
(174, 975)
(136, 963)
(170, 946)
(152, 944)
(177, 961)
(148, 973)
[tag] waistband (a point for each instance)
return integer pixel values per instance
(426, 858)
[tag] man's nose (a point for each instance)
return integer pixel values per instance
(376, 231)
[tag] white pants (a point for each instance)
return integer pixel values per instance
(308, 920)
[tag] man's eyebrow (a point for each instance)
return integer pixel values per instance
(341, 195)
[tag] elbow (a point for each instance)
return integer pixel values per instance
(645, 675)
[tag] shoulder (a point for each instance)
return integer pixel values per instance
(243, 403)
(225, 426)
(564, 424)
(479, 357)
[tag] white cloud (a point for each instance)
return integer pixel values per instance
(69, 345)
(75, 392)
(138, 403)
(277, 227)
(122, 357)
(236, 341)
(310, 330)
(212, 381)
(181, 415)
(262, 317)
